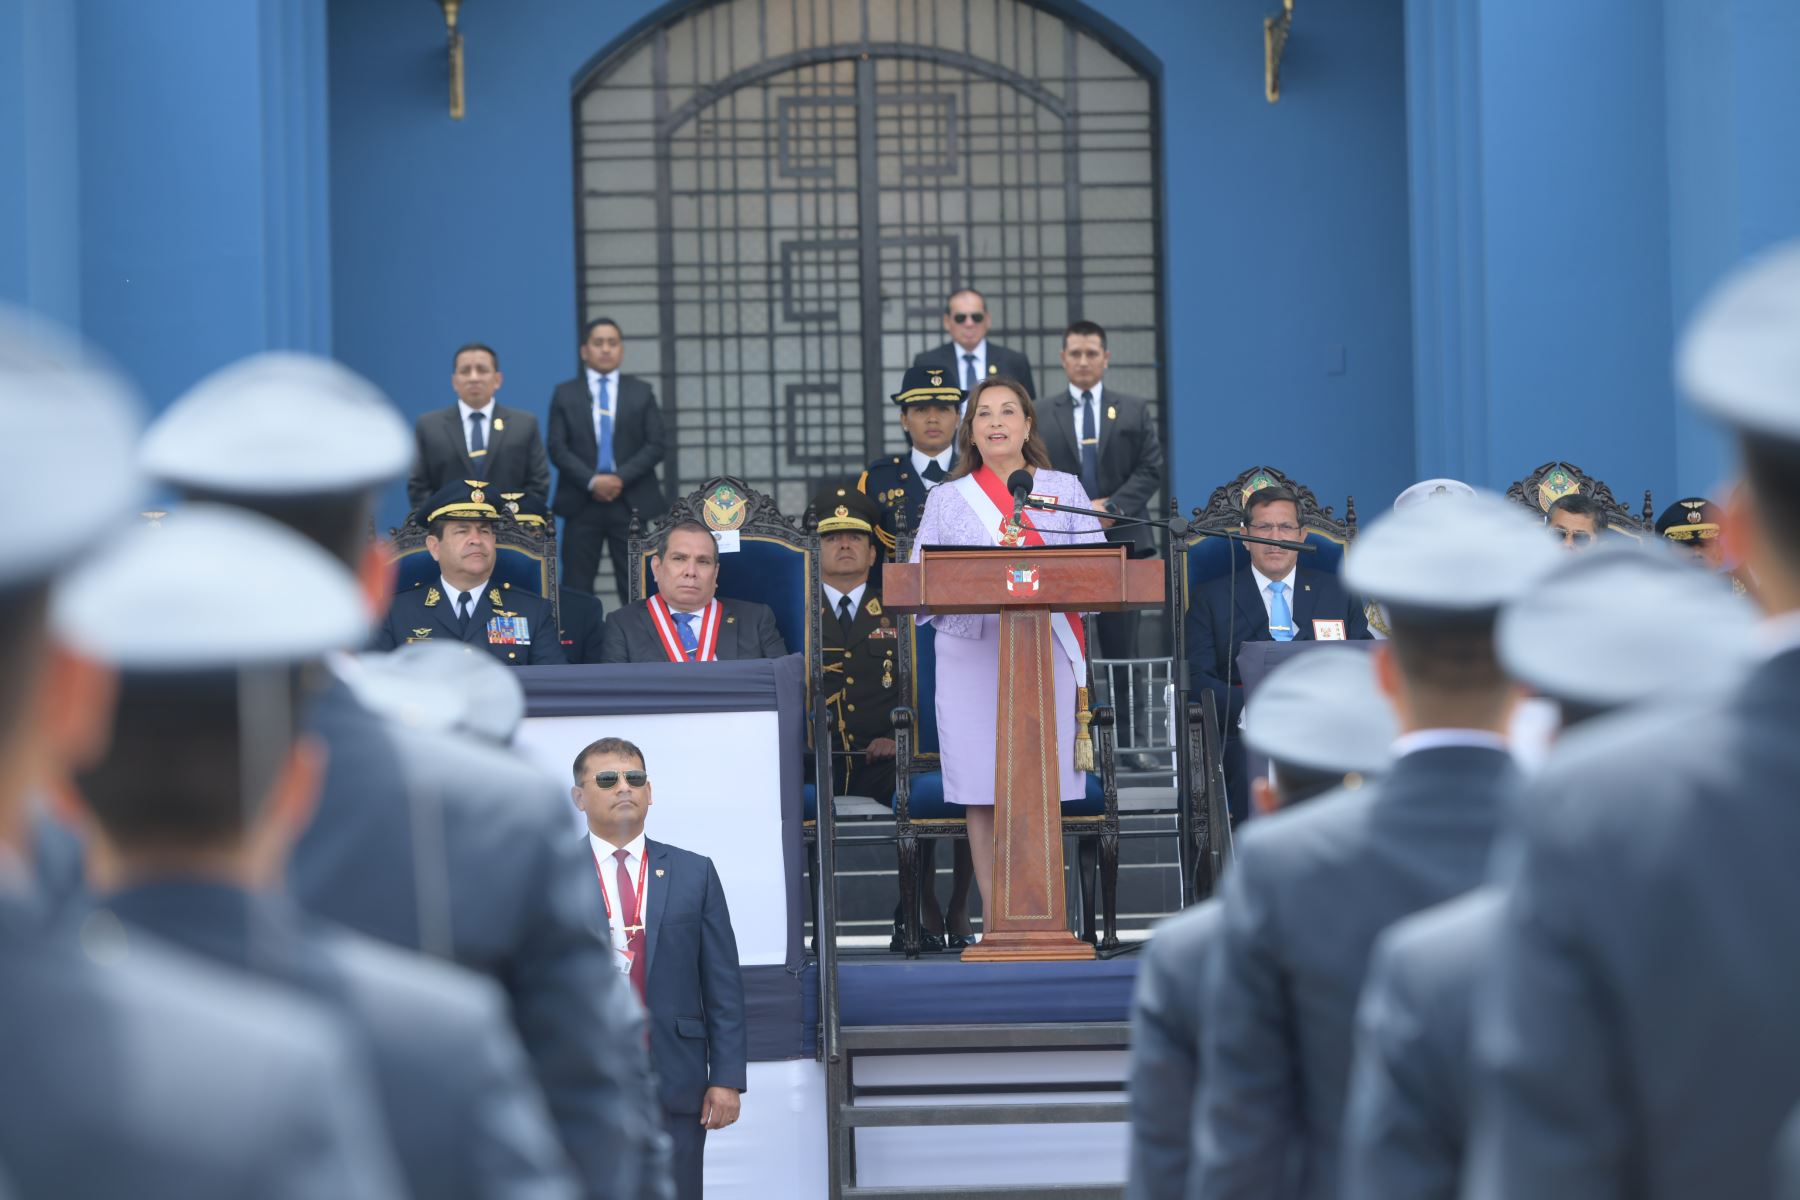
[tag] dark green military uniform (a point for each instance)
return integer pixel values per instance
(861, 661)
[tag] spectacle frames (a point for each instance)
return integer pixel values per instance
(608, 780)
(974, 318)
(1284, 531)
(1571, 537)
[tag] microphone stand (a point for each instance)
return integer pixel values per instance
(1179, 529)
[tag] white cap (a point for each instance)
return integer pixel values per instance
(1322, 711)
(211, 588)
(278, 425)
(1740, 356)
(1461, 555)
(1432, 489)
(436, 685)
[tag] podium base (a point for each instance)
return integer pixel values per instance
(1036, 946)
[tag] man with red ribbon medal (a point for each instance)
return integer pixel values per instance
(685, 620)
(672, 937)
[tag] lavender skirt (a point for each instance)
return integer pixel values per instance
(968, 671)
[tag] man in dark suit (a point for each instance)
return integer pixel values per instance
(606, 437)
(968, 357)
(1281, 993)
(514, 626)
(1277, 599)
(1634, 1024)
(672, 938)
(929, 403)
(686, 620)
(193, 809)
(476, 438)
(500, 887)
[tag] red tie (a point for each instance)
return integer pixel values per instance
(634, 929)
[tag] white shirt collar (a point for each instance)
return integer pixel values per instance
(1099, 390)
(455, 596)
(855, 594)
(486, 413)
(1438, 739)
(1778, 634)
(612, 384)
(920, 460)
(603, 849)
(1263, 581)
(980, 353)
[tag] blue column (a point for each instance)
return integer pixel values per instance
(39, 243)
(204, 228)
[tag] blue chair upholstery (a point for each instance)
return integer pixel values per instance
(1210, 557)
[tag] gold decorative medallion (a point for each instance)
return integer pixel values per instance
(477, 497)
(432, 598)
(724, 508)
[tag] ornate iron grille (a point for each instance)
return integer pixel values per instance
(775, 197)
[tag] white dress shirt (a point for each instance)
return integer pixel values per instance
(487, 426)
(1262, 589)
(962, 368)
(455, 597)
(832, 596)
(608, 868)
(921, 460)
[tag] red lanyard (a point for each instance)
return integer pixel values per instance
(643, 867)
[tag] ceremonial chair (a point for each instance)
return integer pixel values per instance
(920, 810)
(1554, 480)
(525, 557)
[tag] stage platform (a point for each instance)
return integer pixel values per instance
(934, 989)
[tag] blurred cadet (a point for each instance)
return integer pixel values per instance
(1276, 599)
(606, 437)
(1592, 638)
(672, 937)
(131, 1072)
(1577, 521)
(1634, 1033)
(464, 605)
(968, 357)
(1787, 1160)
(1324, 725)
(930, 405)
(1694, 525)
(435, 685)
(498, 885)
(685, 620)
(476, 438)
(1431, 489)
(582, 613)
(1281, 992)
(208, 781)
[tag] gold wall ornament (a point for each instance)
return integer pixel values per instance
(1275, 36)
(452, 10)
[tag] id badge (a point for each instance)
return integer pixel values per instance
(1328, 631)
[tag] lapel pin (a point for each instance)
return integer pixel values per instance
(1112, 414)
(499, 424)
(659, 870)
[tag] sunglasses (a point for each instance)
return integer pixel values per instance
(974, 318)
(608, 780)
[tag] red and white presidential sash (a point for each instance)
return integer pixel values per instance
(671, 636)
(984, 492)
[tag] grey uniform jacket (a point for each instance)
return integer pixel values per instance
(1165, 1052)
(1406, 1122)
(746, 630)
(1310, 891)
(161, 1077)
(1130, 454)
(462, 850)
(1637, 1035)
(465, 1116)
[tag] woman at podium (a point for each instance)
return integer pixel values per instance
(997, 438)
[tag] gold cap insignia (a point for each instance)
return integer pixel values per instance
(431, 598)
(478, 497)
(937, 377)
(842, 511)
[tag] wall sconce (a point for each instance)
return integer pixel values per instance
(452, 9)
(1275, 36)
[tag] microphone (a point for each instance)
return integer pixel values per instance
(1019, 484)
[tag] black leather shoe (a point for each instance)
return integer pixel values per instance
(959, 941)
(929, 942)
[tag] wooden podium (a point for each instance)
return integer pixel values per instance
(1025, 919)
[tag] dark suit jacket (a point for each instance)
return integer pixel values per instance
(583, 616)
(1311, 889)
(427, 608)
(1131, 455)
(747, 631)
(695, 993)
(1165, 1053)
(1213, 640)
(506, 892)
(637, 445)
(514, 462)
(1634, 1027)
(1408, 1110)
(461, 1107)
(1000, 361)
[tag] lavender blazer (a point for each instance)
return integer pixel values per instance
(949, 521)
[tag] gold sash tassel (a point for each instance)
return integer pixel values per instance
(1084, 744)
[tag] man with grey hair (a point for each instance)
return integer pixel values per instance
(685, 619)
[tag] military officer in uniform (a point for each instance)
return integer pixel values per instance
(464, 604)
(1692, 523)
(1312, 887)
(1323, 725)
(1619, 626)
(500, 887)
(1634, 1023)
(929, 402)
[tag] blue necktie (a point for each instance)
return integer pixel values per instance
(603, 463)
(1281, 618)
(477, 443)
(684, 625)
(969, 379)
(1090, 445)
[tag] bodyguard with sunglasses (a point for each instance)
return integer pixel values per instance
(672, 938)
(968, 357)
